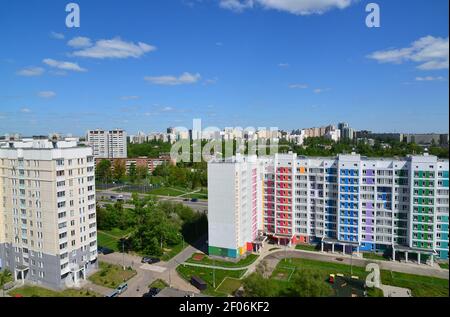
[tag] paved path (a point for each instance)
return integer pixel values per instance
(282, 253)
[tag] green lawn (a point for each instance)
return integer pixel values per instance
(229, 285)
(221, 263)
(168, 191)
(444, 266)
(306, 247)
(107, 241)
(36, 291)
(375, 292)
(158, 284)
(173, 250)
(206, 274)
(111, 275)
(420, 286)
(374, 256)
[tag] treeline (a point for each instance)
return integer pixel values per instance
(324, 147)
(152, 149)
(155, 225)
(187, 175)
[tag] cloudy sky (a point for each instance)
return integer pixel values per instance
(147, 65)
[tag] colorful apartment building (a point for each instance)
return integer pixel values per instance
(347, 202)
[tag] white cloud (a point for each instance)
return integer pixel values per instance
(298, 7)
(46, 94)
(211, 81)
(31, 71)
(79, 42)
(283, 65)
(129, 97)
(25, 110)
(320, 90)
(167, 109)
(115, 48)
(431, 53)
(236, 5)
(298, 86)
(430, 78)
(63, 65)
(58, 36)
(185, 78)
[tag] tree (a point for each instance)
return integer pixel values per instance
(142, 172)
(103, 171)
(306, 283)
(132, 174)
(255, 285)
(119, 170)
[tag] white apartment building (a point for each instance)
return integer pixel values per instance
(234, 204)
(108, 144)
(48, 231)
(349, 202)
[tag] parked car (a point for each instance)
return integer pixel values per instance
(150, 260)
(186, 199)
(122, 288)
(199, 283)
(194, 200)
(107, 251)
(154, 291)
(114, 293)
(100, 250)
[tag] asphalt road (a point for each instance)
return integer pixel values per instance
(199, 206)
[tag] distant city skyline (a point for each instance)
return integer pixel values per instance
(150, 65)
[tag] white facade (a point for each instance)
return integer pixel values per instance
(108, 144)
(367, 204)
(48, 231)
(233, 205)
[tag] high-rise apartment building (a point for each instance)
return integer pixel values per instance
(108, 144)
(48, 232)
(348, 202)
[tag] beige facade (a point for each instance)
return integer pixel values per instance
(48, 222)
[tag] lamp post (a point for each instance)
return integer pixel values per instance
(214, 273)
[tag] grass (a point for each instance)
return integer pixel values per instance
(229, 285)
(444, 266)
(273, 249)
(420, 286)
(306, 247)
(111, 275)
(158, 284)
(110, 238)
(374, 256)
(375, 292)
(206, 275)
(167, 191)
(221, 263)
(173, 250)
(36, 291)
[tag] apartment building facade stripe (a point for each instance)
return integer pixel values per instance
(349, 202)
(48, 232)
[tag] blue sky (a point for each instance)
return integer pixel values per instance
(147, 65)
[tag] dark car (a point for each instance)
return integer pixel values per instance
(199, 283)
(107, 251)
(186, 199)
(150, 260)
(194, 200)
(100, 250)
(152, 292)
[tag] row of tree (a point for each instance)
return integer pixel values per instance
(155, 225)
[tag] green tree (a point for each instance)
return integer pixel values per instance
(103, 171)
(132, 173)
(255, 285)
(307, 283)
(119, 170)
(142, 172)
